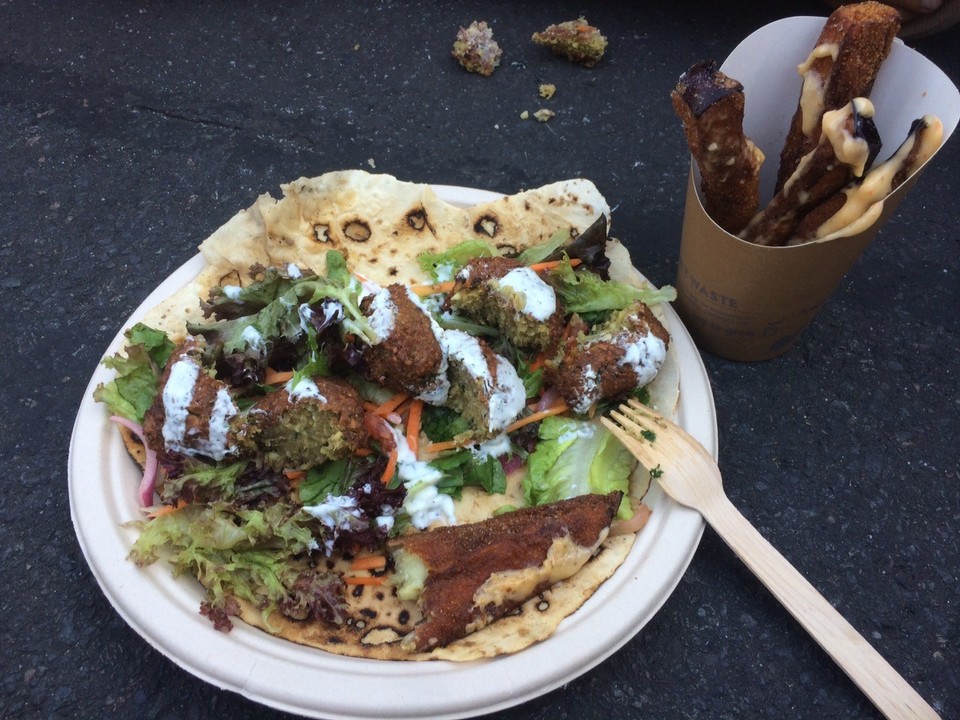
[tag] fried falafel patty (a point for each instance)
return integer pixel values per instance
(305, 424)
(484, 387)
(193, 413)
(624, 353)
(409, 357)
(502, 292)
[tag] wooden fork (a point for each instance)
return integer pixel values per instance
(688, 474)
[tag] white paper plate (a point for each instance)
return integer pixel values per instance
(164, 610)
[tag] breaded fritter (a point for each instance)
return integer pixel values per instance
(622, 354)
(484, 387)
(409, 358)
(193, 413)
(503, 293)
(467, 576)
(306, 424)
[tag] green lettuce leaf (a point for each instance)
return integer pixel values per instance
(463, 468)
(245, 553)
(444, 265)
(584, 291)
(138, 370)
(576, 457)
(333, 477)
(540, 252)
(442, 423)
(276, 299)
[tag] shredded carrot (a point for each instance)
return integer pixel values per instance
(363, 452)
(413, 425)
(444, 445)
(364, 580)
(390, 468)
(538, 362)
(275, 377)
(369, 562)
(369, 406)
(560, 407)
(295, 474)
(167, 509)
(404, 407)
(434, 289)
(551, 264)
(390, 405)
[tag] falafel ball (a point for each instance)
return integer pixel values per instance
(305, 424)
(409, 357)
(484, 387)
(622, 354)
(505, 294)
(193, 413)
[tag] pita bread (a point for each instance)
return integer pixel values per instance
(381, 224)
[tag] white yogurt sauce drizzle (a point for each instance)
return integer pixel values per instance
(539, 299)
(506, 394)
(337, 512)
(252, 337)
(383, 314)
(177, 395)
(645, 356)
(423, 503)
(439, 387)
(303, 388)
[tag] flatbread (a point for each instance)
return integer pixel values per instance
(381, 224)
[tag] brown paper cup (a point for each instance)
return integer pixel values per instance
(743, 301)
(747, 302)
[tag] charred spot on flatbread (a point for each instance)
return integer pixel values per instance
(357, 230)
(487, 224)
(418, 219)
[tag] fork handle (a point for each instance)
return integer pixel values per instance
(891, 694)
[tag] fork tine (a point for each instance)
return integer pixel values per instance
(644, 415)
(629, 433)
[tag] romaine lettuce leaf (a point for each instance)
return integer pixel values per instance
(576, 457)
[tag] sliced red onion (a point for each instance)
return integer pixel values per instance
(149, 479)
(380, 429)
(634, 524)
(511, 463)
(548, 399)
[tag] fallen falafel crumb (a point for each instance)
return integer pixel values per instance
(476, 50)
(525, 115)
(576, 40)
(543, 114)
(547, 90)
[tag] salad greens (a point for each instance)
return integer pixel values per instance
(575, 457)
(584, 292)
(246, 531)
(138, 372)
(444, 265)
